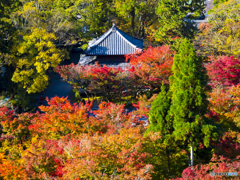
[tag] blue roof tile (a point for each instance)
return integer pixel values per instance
(114, 42)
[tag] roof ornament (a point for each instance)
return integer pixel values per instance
(114, 27)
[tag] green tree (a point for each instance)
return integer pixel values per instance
(7, 34)
(41, 27)
(91, 17)
(6, 29)
(172, 19)
(162, 122)
(102, 15)
(188, 86)
(138, 15)
(31, 35)
(221, 36)
(55, 16)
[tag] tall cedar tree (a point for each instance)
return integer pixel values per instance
(188, 86)
(161, 121)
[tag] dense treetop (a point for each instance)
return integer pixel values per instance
(175, 105)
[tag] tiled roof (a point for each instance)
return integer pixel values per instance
(114, 42)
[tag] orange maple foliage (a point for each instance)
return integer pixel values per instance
(66, 142)
(9, 170)
(226, 103)
(155, 60)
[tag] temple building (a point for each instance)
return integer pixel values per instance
(111, 47)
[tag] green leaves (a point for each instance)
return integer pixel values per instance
(173, 22)
(179, 114)
(138, 15)
(7, 30)
(189, 104)
(160, 120)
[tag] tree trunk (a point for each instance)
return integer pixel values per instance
(168, 161)
(143, 27)
(133, 20)
(10, 84)
(192, 164)
(143, 32)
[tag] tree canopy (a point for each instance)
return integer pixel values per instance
(188, 86)
(221, 35)
(168, 109)
(175, 19)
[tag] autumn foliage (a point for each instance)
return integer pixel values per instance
(73, 141)
(223, 71)
(157, 60)
(145, 71)
(218, 164)
(178, 103)
(224, 101)
(67, 142)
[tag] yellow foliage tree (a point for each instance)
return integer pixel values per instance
(36, 54)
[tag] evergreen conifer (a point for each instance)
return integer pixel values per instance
(188, 86)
